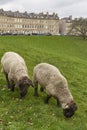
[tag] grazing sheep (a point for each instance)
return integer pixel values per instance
(55, 84)
(15, 70)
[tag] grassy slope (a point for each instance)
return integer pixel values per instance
(69, 54)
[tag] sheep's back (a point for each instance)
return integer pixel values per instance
(11, 60)
(46, 73)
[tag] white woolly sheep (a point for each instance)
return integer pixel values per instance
(55, 84)
(15, 70)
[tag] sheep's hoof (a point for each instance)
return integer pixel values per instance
(46, 102)
(8, 86)
(21, 97)
(12, 90)
(36, 95)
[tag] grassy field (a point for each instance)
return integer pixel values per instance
(69, 54)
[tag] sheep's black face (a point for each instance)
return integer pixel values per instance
(23, 90)
(24, 83)
(69, 112)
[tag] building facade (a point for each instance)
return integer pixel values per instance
(28, 23)
(65, 25)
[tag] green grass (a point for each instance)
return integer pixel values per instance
(69, 54)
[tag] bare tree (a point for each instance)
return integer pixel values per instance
(79, 27)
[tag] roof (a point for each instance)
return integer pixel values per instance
(29, 15)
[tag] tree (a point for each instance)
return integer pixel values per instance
(79, 27)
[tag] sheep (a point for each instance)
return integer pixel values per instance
(16, 72)
(55, 84)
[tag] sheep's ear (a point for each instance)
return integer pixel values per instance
(73, 105)
(66, 106)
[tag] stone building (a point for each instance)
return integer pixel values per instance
(65, 25)
(28, 23)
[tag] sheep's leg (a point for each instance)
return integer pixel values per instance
(12, 87)
(41, 89)
(8, 83)
(36, 89)
(47, 99)
(58, 103)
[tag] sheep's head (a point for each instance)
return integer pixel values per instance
(70, 109)
(24, 83)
